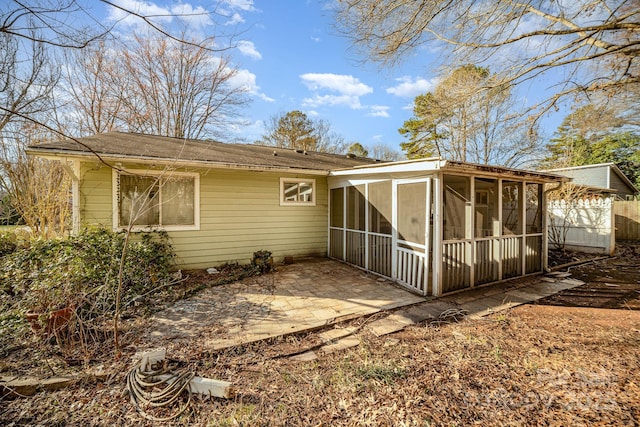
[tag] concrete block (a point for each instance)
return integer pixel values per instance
(341, 344)
(304, 357)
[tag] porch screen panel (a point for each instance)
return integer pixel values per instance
(355, 248)
(337, 207)
(511, 208)
(412, 199)
(533, 256)
(534, 208)
(456, 201)
(356, 226)
(411, 224)
(456, 259)
(487, 256)
(486, 222)
(511, 257)
(355, 208)
(336, 243)
(380, 242)
(336, 224)
(380, 201)
(486, 208)
(533, 243)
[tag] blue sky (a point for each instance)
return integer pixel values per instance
(304, 65)
(291, 58)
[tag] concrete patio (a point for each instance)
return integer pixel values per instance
(316, 293)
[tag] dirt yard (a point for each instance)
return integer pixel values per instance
(572, 359)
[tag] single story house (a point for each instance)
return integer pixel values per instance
(602, 176)
(432, 225)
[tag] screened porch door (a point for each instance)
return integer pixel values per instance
(411, 235)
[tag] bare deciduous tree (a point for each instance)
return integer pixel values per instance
(93, 91)
(38, 189)
(595, 41)
(383, 152)
(152, 85)
(26, 81)
(177, 89)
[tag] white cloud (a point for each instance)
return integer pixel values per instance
(408, 107)
(246, 5)
(379, 111)
(409, 87)
(343, 84)
(316, 39)
(198, 17)
(343, 90)
(249, 49)
(312, 113)
(236, 18)
(230, 8)
(352, 102)
(159, 14)
(246, 80)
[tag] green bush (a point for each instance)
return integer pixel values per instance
(82, 270)
(7, 244)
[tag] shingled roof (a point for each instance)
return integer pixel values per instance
(123, 146)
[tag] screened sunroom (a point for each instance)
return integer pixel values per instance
(437, 226)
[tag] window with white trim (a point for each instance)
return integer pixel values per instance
(296, 192)
(168, 201)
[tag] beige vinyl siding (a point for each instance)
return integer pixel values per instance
(95, 194)
(240, 213)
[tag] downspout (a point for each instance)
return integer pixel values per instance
(545, 225)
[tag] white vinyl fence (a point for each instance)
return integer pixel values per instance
(585, 225)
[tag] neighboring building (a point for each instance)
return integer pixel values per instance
(433, 226)
(601, 176)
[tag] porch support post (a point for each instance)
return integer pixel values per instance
(437, 235)
(427, 236)
(470, 232)
(500, 230)
(344, 223)
(394, 229)
(545, 228)
(523, 220)
(367, 226)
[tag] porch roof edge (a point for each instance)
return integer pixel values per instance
(439, 164)
(419, 165)
(450, 165)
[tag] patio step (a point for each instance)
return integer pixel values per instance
(338, 339)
